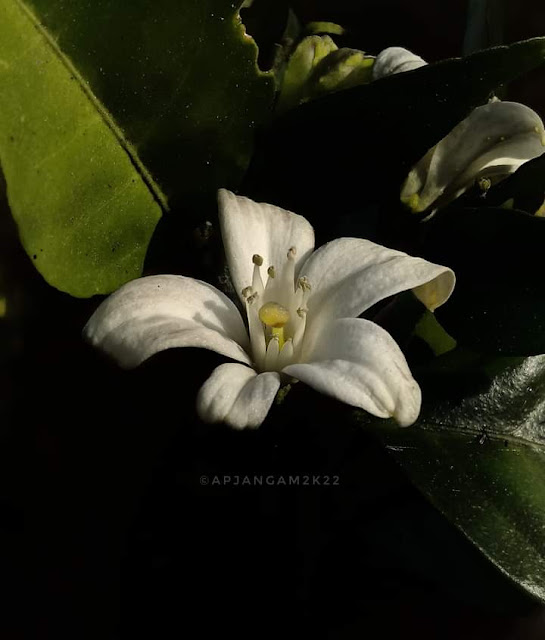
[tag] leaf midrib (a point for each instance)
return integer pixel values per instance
(106, 117)
(473, 432)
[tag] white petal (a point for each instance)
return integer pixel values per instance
(362, 365)
(160, 312)
(237, 395)
(504, 134)
(349, 275)
(396, 60)
(502, 160)
(250, 228)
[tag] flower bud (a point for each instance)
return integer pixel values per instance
(306, 56)
(490, 144)
(396, 60)
(340, 70)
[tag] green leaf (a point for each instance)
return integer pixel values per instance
(179, 76)
(485, 24)
(480, 458)
(319, 28)
(269, 22)
(429, 330)
(85, 205)
(367, 138)
(498, 304)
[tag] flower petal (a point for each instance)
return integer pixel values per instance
(249, 227)
(396, 60)
(362, 365)
(237, 395)
(349, 275)
(502, 160)
(160, 312)
(499, 134)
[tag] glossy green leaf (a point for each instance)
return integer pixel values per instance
(347, 150)
(179, 76)
(85, 205)
(480, 458)
(498, 304)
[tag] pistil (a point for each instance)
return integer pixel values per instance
(275, 316)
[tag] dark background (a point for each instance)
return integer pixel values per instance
(105, 527)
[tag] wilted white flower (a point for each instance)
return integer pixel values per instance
(302, 322)
(490, 144)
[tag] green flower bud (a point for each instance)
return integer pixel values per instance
(304, 59)
(341, 69)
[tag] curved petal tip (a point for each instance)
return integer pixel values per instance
(237, 395)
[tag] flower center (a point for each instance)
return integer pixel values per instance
(276, 314)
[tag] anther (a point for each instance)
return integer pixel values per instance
(304, 284)
(271, 271)
(302, 312)
(484, 184)
(247, 292)
(251, 299)
(257, 259)
(292, 252)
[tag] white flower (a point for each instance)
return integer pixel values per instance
(396, 60)
(490, 144)
(302, 313)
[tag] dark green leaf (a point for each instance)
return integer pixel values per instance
(433, 334)
(498, 304)
(85, 205)
(485, 24)
(480, 458)
(180, 78)
(266, 20)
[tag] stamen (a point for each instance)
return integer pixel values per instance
(271, 271)
(257, 282)
(300, 329)
(286, 355)
(302, 293)
(257, 335)
(292, 252)
(271, 356)
(247, 292)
